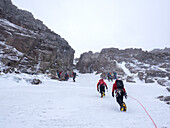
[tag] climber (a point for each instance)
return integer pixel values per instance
(74, 76)
(59, 73)
(109, 76)
(66, 76)
(115, 75)
(101, 85)
(118, 88)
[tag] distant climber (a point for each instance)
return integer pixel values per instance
(115, 75)
(101, 85)
(59, 73)
(74, 76)
(109, 76)
(118, 88)
(66, 76)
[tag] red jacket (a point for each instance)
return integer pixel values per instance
(115, 87)
(101, 81)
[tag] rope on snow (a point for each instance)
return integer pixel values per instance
(144, 109)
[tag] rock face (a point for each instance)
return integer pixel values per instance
(27, 45)
(87, 62)
(149, 67)
(105, 61)
(99, 62)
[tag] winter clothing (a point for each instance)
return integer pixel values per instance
(74, 76)
(120, 92)
(66, 76)
(109, 76)
(113, 94)
(115, 75)
(115, 86)
(101, 84)
(59, 73)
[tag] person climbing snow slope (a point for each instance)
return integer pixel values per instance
(74, 76)
(101, 87)
(118, 88)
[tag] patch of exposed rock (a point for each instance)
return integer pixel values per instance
(163, 82)
(149, 80)
(165, 99)
(141, 75)
(130, 79)
(36, 81)
(168, 88)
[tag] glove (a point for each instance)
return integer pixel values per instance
(126, 96)
(107, 89)
(113, 94)
(98, 90)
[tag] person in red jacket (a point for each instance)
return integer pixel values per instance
(101, 85)
(118, 88)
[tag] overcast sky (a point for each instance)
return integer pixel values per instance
(96, 24)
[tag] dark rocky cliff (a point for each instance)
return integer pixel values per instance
(29, 46)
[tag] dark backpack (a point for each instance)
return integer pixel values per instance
(120, 84)
(74, 74)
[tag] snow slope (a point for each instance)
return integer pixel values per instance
(55, 104)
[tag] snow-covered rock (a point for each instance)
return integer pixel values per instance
(163, 82)
(29, 46)
(165, 99)
(130, 79)
(147, 66)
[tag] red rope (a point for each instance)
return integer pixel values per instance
(144, 109)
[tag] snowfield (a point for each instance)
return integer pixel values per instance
(55, 104)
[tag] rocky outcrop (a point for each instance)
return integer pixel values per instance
(163, 82)
(141, 75)
(36, 81)
(87, 62)
(149, 80)
(165, 99)
(147, 66)
(168, 89)
(29, 46)
(130, 79)
(99, 62)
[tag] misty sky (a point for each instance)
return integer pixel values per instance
(96, 24)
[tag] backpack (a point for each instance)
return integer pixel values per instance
(74, 74)
(120, 84)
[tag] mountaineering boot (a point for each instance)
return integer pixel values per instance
(103, 94)
(123, 107)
